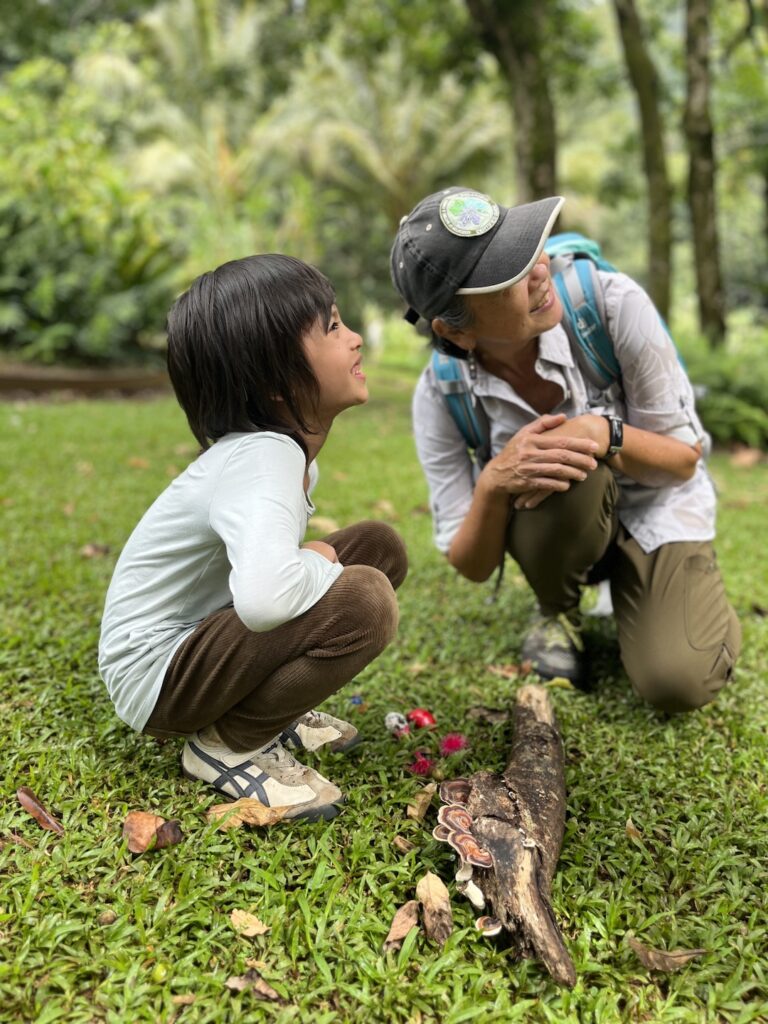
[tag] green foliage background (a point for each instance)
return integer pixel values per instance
(143, 143)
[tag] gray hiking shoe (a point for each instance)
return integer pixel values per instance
(316, 729)
(555, 647)
(270, 775)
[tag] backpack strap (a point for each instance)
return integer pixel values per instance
(453, 379)
(585, 319)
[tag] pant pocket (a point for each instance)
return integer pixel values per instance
(707, 611)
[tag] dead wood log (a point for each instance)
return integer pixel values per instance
(519, 819)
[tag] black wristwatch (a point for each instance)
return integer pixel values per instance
(617, 435)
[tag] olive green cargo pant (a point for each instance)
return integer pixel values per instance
(678, 635)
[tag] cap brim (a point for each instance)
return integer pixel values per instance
(515, 247)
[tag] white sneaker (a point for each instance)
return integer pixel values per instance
(270, 775)
(316, 729)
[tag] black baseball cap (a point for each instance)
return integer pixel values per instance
(460, 242)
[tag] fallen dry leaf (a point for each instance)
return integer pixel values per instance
(184, 1000)
(94, 550)
(406, 918)
(146, 831)
(660, 959)
(252, 981)
(491, 715)
(323, 524)
(403, 845)
(247, 924)
(385, 508)
(561, 682)
(245, 811)
(32, 804)
(632, 830)
(744, 457)
(137, 462)
(436, 906)
(420, 805)
(504, 671)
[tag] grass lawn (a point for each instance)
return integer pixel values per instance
(76, 474)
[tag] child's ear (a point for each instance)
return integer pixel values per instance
(455, 335)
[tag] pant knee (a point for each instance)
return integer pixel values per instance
(371, 607)
(685, 685)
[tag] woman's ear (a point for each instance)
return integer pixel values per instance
(453, 334)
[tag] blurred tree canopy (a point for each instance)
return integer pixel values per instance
(145, 142)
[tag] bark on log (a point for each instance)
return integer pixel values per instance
(519, 818)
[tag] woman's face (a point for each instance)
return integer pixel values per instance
(333, 351)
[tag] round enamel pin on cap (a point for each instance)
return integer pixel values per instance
(468, 213)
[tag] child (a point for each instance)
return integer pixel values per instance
(221, 624)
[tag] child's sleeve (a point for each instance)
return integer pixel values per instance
(259, 510)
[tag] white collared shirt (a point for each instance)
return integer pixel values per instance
(653, 394)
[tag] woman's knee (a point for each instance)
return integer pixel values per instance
(685, 683)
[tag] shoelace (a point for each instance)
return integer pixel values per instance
(277, 752)
(572, 631)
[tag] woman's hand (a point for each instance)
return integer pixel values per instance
(544, 456)
(322, 549)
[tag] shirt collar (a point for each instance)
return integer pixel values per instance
(554, 347)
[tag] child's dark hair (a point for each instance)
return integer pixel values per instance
(235, 356)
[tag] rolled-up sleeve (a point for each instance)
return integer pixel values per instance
(445, 460)
(658, 394)
(259, 510)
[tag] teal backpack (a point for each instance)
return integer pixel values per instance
(575, 262)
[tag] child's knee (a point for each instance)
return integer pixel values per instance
(372, 606)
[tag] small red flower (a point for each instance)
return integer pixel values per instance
(423, 765)
(452, 742)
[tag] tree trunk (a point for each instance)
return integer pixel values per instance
(513, 828)
(645, 82)
(515, 34)
(701, 173)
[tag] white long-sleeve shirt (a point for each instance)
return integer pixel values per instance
(654, 394)
(226, 533)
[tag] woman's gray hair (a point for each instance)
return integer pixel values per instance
(459, 317)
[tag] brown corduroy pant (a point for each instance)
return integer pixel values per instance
(252, 685)
(679, 637)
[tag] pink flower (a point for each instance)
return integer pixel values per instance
(423, 765)
(452, 742)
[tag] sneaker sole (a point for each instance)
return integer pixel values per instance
(325, 812)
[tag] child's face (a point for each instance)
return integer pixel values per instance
(333, 351)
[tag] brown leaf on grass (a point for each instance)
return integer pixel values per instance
(146, 831)
(504, 671)
(253, 982)
(247, 924)
(633, 831)
(406, 918)
(491, 715)
(660, 959)
(245, 811)
(32, 804)
(420, 805)
(744, 457)
(385, 508)
(184, 1000)
(137, 462)
(436, 906)
(94, 550)
(403, 845)
(323, 524)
